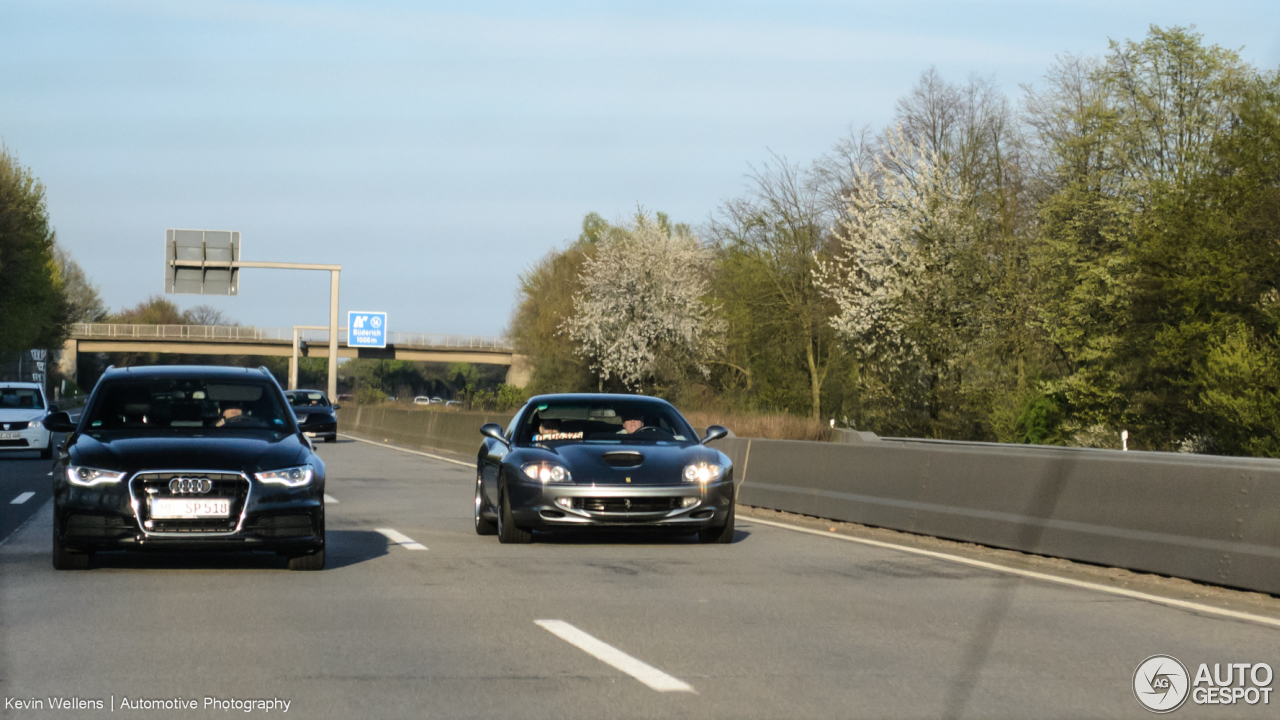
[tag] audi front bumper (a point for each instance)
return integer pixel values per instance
(262, 517)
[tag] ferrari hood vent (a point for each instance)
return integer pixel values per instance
(624, 459)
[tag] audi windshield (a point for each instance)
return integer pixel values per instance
(187, 405)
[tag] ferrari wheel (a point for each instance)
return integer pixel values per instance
(722, 535)
(507, 530)
(483, 527)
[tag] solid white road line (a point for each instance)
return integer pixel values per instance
(22, 498)
(412, 452)
(401, 539)
(1134, 594)
(330, 500)
(645, 673)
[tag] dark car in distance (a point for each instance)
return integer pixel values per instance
(602, 461)
(316, 417)
(186, 458)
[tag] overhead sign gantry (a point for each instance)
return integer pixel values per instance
(207, 262)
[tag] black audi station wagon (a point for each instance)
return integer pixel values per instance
(186, 458)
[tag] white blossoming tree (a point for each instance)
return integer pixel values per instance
(898, 275)
(642, 315)
(903, 223)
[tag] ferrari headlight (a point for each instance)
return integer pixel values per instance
(89, 477)
(702, 472)
(289, 477)
(546, 473)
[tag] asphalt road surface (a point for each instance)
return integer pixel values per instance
(417, 616)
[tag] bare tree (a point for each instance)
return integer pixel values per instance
(207, 315)
(776, 233)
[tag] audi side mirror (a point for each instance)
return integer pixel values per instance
(59, 422)
(493, 430)
(714, 432)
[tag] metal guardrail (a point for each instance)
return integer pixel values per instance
(236, 333)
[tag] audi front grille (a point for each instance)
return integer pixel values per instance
(189, 485)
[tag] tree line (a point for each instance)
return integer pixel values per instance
(1097, 254)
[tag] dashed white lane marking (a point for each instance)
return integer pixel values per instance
(330, 500)
(1171, 602)
(22, 498)
(412, 452)
(610, 655)
(401, 539)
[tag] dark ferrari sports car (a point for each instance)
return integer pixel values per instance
(602, 461)
(186, 458)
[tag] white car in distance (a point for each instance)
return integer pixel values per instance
(22, 410)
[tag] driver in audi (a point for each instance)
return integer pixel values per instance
(229, 414)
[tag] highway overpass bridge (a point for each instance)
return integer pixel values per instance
(237, 340)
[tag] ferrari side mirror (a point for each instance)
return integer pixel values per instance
(714, 432)
(493, 430)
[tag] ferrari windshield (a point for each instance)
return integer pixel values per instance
(604, 421)
(197, 403)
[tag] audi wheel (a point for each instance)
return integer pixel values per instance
(64, 559)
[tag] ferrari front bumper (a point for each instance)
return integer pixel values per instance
(686, 507)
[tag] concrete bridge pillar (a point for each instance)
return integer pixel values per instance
(67, 359)
(520, 372)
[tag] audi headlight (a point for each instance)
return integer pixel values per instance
(702, 472)
(546, 473)
(289, 477)
(89, 477)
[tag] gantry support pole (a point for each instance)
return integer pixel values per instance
(293, 359)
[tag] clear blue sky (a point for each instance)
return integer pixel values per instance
(437, 150)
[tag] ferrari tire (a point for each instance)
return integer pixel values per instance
(722, 535)
(508, 533)
(64, 559)
(483, 526)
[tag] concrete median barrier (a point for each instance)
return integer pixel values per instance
(454, 432)
(1213, 519)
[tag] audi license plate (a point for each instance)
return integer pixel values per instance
(179, 508)
(10, 436)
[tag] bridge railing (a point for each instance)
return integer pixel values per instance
(237, 333)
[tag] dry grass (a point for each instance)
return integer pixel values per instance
(775, 427)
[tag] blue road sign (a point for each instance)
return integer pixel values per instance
(366, 329)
